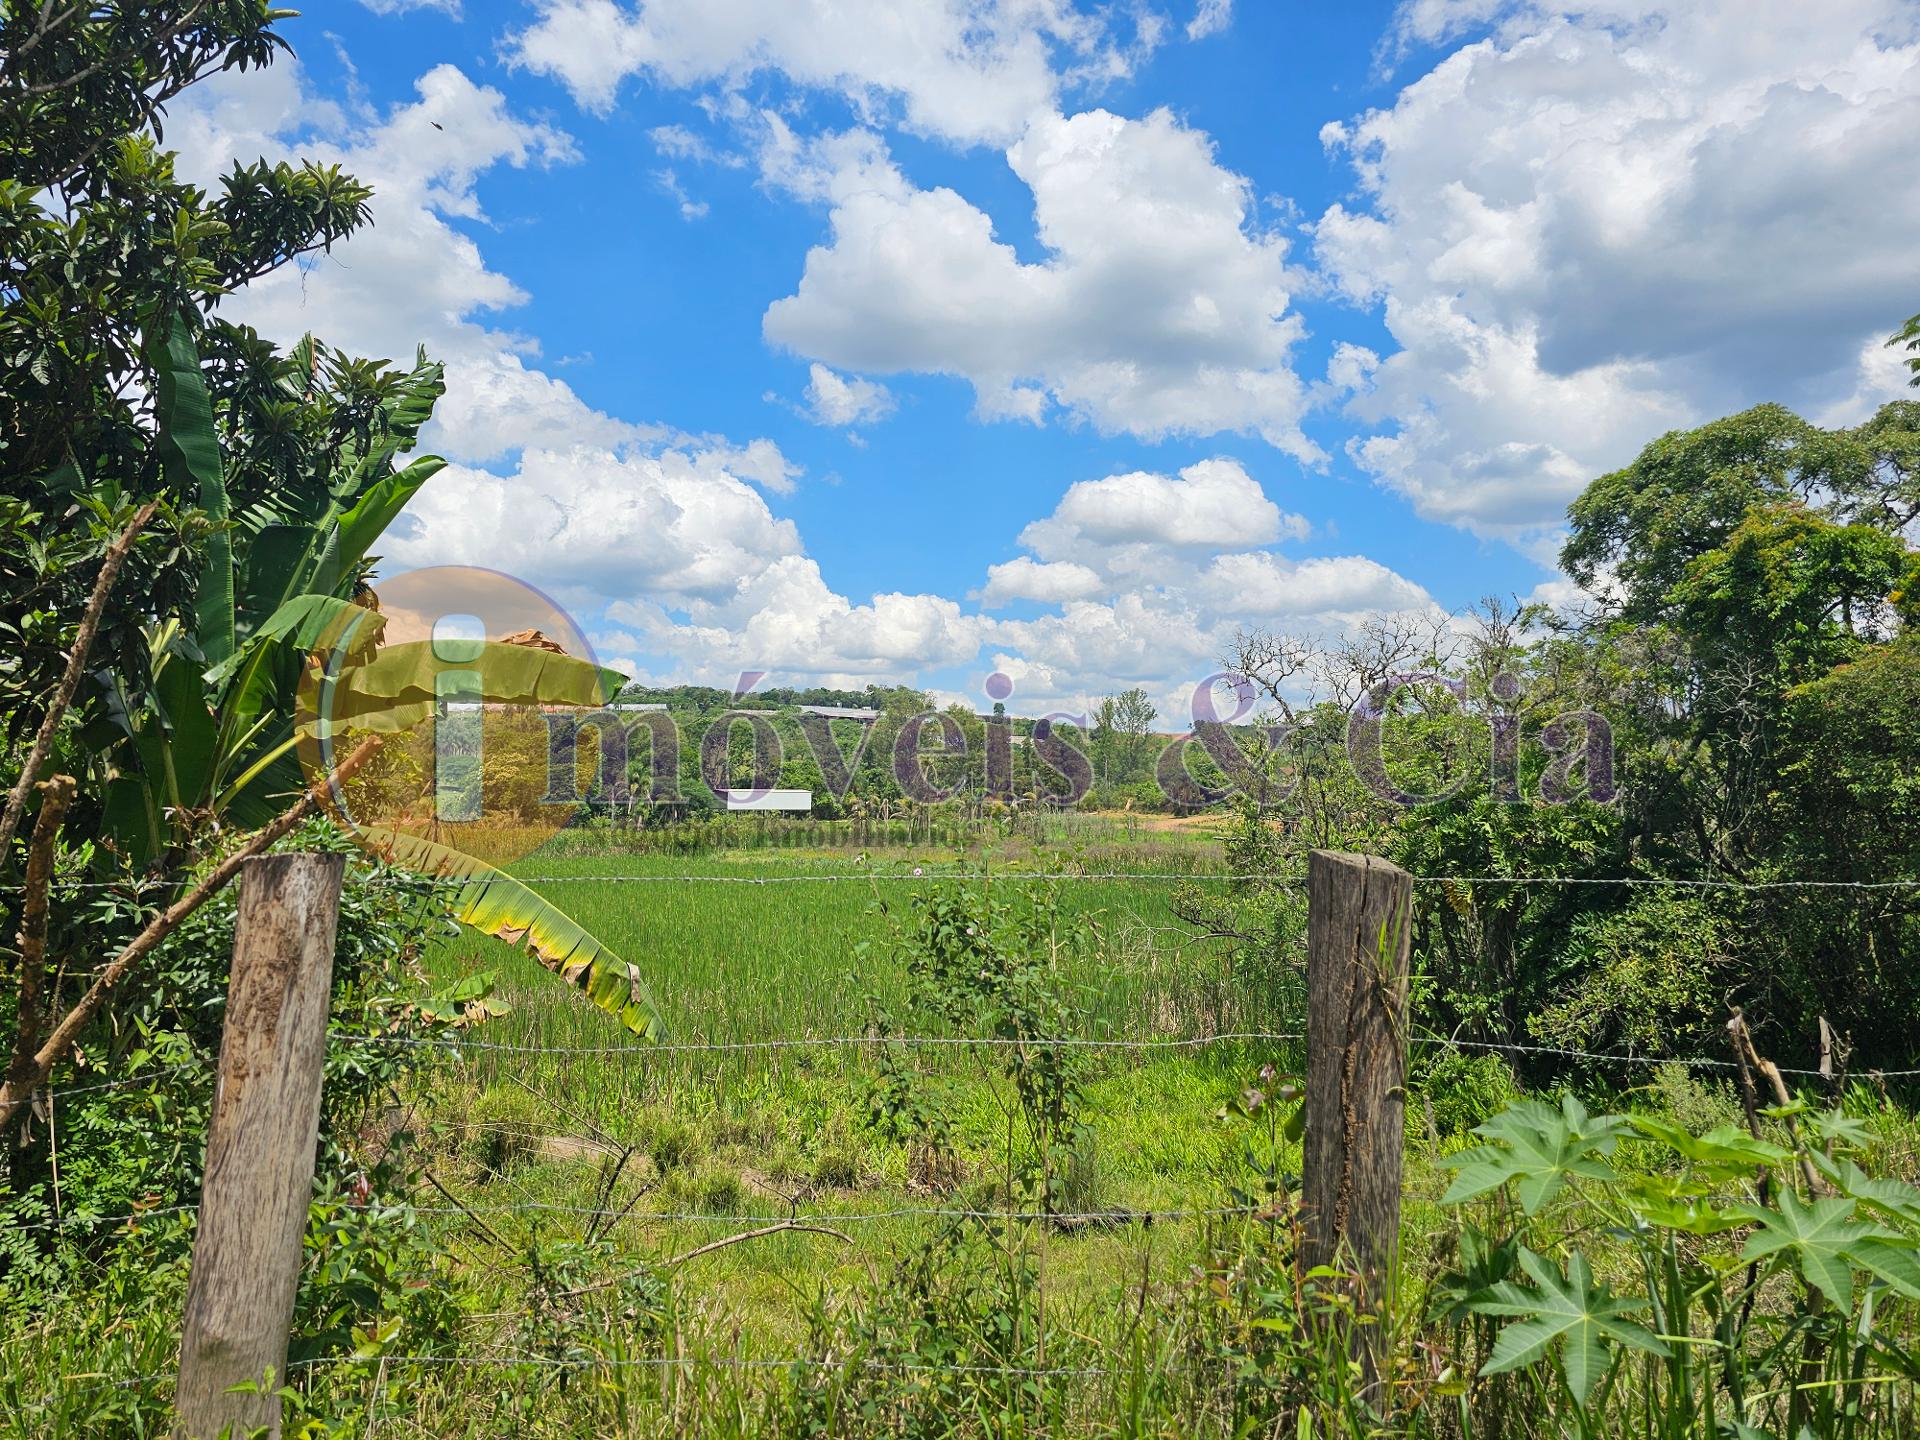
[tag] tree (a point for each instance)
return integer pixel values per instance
(1752, 649)
(103, 250)
(1634, 532)
(1792, 589)
(1908, 336)
(1132, 720)
(240, 488)
(1103, 738)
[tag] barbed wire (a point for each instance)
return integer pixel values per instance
(806, 1042)
(852, 1217)
(704, 1217)
(1628, 1058)
(69, 1222)
(1279, 879)
(825, 877)
(724, 1362)
(927, 877)
(90, 1383)
(644, 1051)
(64, 1092)
(1073, 1042)
(1670, 882)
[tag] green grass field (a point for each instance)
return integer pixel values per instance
(754, 945)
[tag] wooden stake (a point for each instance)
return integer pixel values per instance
(1359, 934)
(1835, 1052)
(1752, 1062)
(260, 1148)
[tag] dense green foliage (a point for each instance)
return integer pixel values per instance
(1745, 652)
(127, 1133)
(105, 253)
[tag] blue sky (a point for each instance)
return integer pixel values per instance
(910, 341)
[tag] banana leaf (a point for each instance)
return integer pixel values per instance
(284, 638)
(494, 903)
(190, 452)
(375, 509)
(277, 565)
(184, 760)
(399, 688)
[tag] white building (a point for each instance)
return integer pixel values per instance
(769, 800)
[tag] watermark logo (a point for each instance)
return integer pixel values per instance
(500, 726)
(463, 673)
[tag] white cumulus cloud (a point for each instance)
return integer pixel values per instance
(964, 70)
(834, 399)
(1127, 522)
(1607, 219)
(1152, 575)
(1052, 582)
(785, 618)
(1161, 306)
(588, 523)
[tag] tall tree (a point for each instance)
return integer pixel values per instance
(1132, 722)
(1908, 338)
(109, 263)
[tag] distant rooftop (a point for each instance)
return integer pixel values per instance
(460, 707)
(744, 799)
(840, 712)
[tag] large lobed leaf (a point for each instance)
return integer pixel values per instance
(1538, 1147)
(1723, 1152)
(1893, 1198)
(495, 903)
(399, 688)
(1571, 1310)
(1828, 1240)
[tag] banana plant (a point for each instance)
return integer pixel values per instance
(209, 735)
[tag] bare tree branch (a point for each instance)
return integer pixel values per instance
(801, 1226)
(56, 794)
(15, 1093)
(76, 667)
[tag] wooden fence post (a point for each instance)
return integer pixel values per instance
(1359, 931)
(260, 1145)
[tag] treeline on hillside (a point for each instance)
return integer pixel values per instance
(952, 758)
(1730, 719)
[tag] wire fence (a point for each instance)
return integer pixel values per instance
(377, 1363)
(934, 876)
(1075, 1042)
(926, 876)
(644, 1051)
(797, 1214)
(1113, 1216)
